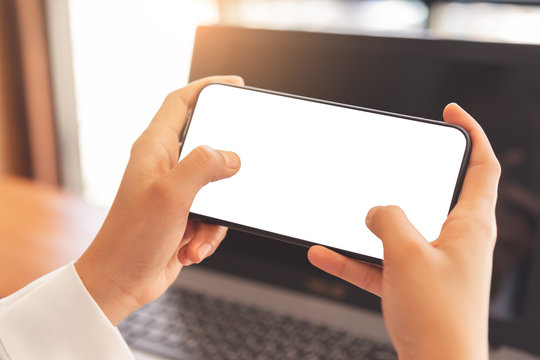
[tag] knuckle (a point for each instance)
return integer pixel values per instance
(496, 166)
(486, 228)
(171, 98)
(476, 227)
(343, 268)
(207, 160)
(367, 278)
(143, 145)
(137, 145)
(204, 156)
(492, 165)
(412, 248)
(176, 98)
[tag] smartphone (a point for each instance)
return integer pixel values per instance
(312, 169)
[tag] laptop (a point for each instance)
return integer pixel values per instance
(260, 299)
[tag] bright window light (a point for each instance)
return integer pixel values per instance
(487, 22)
(127, 56)
(332, 15)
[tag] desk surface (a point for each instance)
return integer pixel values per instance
(41, 228)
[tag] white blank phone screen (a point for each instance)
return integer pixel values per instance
(312, 171)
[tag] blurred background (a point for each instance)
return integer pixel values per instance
(112, 62)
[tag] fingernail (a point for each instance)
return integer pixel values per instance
(203, 251)
(231, 159)
(187, 262)
(238, 79)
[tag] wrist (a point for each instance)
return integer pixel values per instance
(112, 299)
(447, 347)
(441, 354)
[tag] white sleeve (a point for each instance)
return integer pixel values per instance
(55, 317)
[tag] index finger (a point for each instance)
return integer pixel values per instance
(479, 191)
(174, 110)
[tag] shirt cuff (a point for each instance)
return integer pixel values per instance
(55, 317)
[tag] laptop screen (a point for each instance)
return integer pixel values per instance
(499, 84)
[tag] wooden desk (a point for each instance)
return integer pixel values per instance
(41, 228)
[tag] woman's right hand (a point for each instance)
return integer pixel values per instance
(435, 296)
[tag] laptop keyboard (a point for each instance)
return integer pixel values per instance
(189, 325)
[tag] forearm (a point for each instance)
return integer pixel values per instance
(448, 344)
(447, 353)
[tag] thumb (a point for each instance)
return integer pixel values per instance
(202, 166)
(399, 236)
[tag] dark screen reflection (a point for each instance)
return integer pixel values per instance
(517, 221)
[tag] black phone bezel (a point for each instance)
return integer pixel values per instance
(305, 243)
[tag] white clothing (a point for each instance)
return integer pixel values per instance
(55, 317)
